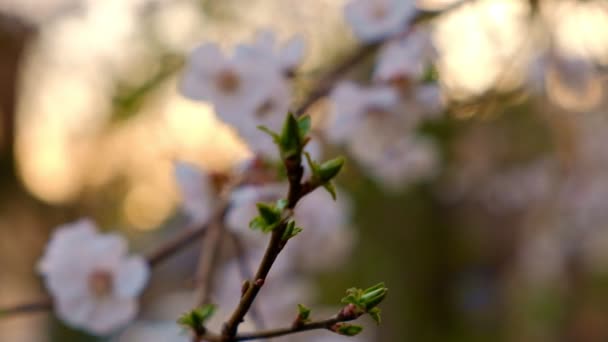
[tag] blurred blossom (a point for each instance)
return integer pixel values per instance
(93, 281)
(153, 331)
(196, 188)
(395, 164)
(354, 106)
(404, 60)
(372, 20)
(234, 85)
(519, 188)
(327, 238)
(286, 57)
(573, 83)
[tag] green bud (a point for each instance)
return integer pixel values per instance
(196, 318)
(304, 124)
(290, 142)
(291, 230)
(269, 213)
(303, 313)
(347, 329)
(373, 296)
(330, 169)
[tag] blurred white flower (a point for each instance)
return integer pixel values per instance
(235, 85)
(353, 106)
(372, 20)
(327, 238)
(196, 189)
(152, 331)
(404, 60)
(94, 283)
(396, 163)
(271, 113)
(573, 83)
(265, 46)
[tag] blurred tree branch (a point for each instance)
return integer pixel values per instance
(14, 37)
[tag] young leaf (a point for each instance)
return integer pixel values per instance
(347, 329)
(195, 319)
(291, 230)
(330, 169)
(304, 124)
(375, 315)
(291, 141)
(331, 189)
(303, 313)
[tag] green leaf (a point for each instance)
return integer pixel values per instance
(303, 313)
(269, 213)
(291, 230)
(291, 140)
(375, 315)
(275, 136)
(330, 169)
(304, 124)
(329, 186)
(348, 329)
(367, 299)
(196, 318)
(268, 219)
(373, 296)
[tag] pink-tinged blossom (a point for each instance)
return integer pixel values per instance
(93, 281)
(372, 20)
(236, 85)
(353, 106)
(196, 190)
(326, 235)
(287, 56)
(397, 163)
(405, 59)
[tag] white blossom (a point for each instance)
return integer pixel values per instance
(327, 238)
(354, 106)
(396, 163)
(196, 189)
(372, 20)
(236, 85)
(405, 59)
(94, 283)
(154, 331)
(286, 56)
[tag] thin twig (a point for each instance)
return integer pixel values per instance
(326, 324)
(295, 171)
(210, 251)
(246, 274)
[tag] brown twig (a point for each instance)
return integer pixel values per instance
(295, 171)
(210, 251)
(345, 315)
(246, 274)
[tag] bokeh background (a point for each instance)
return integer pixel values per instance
(507, 242)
